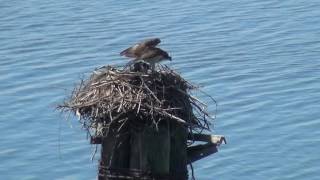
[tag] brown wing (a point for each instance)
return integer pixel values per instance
(149, 54)
(138, 49)
(129, 52)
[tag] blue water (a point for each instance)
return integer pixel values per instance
(259, 59)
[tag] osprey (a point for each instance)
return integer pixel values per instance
(146, 51)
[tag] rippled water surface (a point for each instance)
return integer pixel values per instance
(258, 59)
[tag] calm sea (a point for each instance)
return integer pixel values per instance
(259, 59)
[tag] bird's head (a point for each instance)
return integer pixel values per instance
(152, 42)
(156, 41)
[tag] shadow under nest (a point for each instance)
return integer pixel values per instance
(137, 96)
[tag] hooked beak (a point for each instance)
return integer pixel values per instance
(169, 58)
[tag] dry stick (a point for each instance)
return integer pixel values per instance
(216, 103)
(192, 97)
(110, 116)
(101, 84)
(94, 152)
(120, 106)
(125, 120)
(155, 97)
(201, 109)
(197, 100)
(139, 106)
(137, 97)
(121, 100)
(173, 117)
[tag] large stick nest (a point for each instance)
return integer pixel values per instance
(135, 94)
